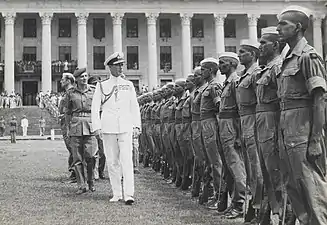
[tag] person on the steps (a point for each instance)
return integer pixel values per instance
(42, 126)
(24, 125)
(2, 126)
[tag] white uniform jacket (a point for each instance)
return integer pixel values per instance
(121, 113)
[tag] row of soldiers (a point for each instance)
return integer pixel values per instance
(257, 138)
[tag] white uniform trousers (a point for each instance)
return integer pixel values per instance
(119, 154)
(24, 131)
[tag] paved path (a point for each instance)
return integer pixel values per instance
(34, 191)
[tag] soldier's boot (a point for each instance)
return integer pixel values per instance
(80, 178)
(186, 182)
(174, 174)
(195, 187)
(146, 160)
(265, 217)
(290, 218)
(166, 171)
(90, 164)
(251, 216)
(158, 165)
(223, 201)
(179, 180)
(163, 166)
(203, 198)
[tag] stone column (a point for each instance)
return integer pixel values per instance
(186, 43)
(220, 33)
(152, 50)
(82, 39)
(317, 33)
(46, 52)
(9, 76)
(252, 23)
(117, 19)
(325, 38)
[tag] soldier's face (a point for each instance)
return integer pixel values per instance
(245, 56)
(197, 77)
(266, 48)
(224, 66)
(82, 79)
(189, 84)
(286, 28)
(116, 70)
(64, 81)
(205, 71)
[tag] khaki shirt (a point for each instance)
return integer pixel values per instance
(302, 71)
(79, 102)
(195, 100)
(210, 100)
(266, 85)
(228, 96)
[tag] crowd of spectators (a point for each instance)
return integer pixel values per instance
(49, 101)
(12, 100)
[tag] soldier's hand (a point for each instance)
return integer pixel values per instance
(314, 149)
(98, 134)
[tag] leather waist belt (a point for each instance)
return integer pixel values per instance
(228, 115)
(204, 116)
(187, 119)
(82, 114)
(157, 121)
(195, 117)
(246, 111)
(165, 120)
(178, 120)
(267, 107)
(295, 104)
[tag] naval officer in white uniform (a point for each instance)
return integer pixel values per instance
(120, 118)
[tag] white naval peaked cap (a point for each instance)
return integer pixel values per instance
(251, 43)
(115, 58)
(296, 8)
(210, 60)
(229, 55)
(269, 30)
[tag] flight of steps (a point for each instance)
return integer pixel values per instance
(33, 114)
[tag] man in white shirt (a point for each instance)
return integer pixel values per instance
(120, 119)
(24, 125)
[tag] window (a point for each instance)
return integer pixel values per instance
(132, 57)
(65, 27)
(198, 55)
(132, 27)
(165, 81)
(29, 28)
(165, 58)
(99, 28)
(262, 23)
(98, 57)
(197, 28)
(165, 28)
(230, 49)
(29, 54)
(230, 28)
(65, 53)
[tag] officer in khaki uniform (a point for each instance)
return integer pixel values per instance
(83, 142)
(67, 82)
(120, 120)
(301, 85)
(229, 128)
(209, 108)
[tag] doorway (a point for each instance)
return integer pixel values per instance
(30, 90)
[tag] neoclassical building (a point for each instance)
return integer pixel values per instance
(162, 39)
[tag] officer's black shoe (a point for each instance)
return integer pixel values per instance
(178, 182)
(91, 186)
(81, 191)
(101, 176)
(166, 172)
(250, 215)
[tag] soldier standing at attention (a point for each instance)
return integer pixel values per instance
(67, 82)
(301, 85)
(13, 129)
(230, 137)
(210, 100)
(119, 121)
(246, 100)
(199, 151)
(267, 121)
(83, 142)
(2, 126)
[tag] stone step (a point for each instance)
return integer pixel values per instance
(33, 114)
